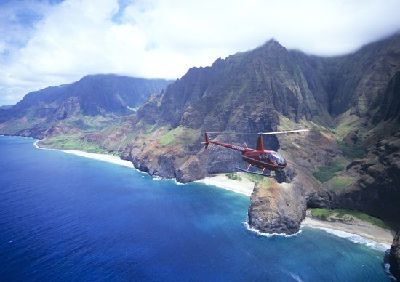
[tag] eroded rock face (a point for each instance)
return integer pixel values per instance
(395, 256)
(253, 91)
(376, 190)
(90, 96)
(277, 208)
(281, 207)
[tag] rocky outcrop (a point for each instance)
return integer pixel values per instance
(269, 88)
(90, 96)
(389, 104)
(272, 88)
(281, 208)
(357, 81)
(245, 91)
(277, 209)
(395, 256)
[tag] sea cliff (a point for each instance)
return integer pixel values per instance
(350, 158)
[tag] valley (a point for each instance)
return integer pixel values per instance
(349, 160)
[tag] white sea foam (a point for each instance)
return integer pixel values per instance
(295, 277)
(116, 160)
(101, 157)
(244, 187)
(156, 178)
(177, 182)
(387, 270)
(35, 144)
(339, 233)
(269, 234)
(354, 238)
(107, 158)
(159, 178)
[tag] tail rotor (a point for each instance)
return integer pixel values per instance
(207, 141)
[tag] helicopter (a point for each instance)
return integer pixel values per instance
(265, 160)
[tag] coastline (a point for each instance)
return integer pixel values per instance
(244, 186)
(100, 157)
(360, 232)
(259, 233)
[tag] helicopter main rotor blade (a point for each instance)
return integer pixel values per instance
(263, 133)
(284, 132)
(227, 132)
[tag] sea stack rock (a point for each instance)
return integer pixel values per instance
(276, 208)
(395, 256)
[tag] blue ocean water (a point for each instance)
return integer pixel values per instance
(68, 218)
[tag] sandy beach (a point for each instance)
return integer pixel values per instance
(358, 231)
(244, 186)
(101, 157)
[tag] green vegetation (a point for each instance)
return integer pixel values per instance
(285, 123)
(169, 138)
(265, 183)
(90, 123)
(148, 131)
(233, 176)
(347, 124)
(255, 177)
(15, 126)
(110, 129)
(72, 142)
(352, 151)
(179, 135)
(322, 214)
(340, 183)
(325, 173)
(341, 215)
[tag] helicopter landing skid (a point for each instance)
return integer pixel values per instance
(267, 173)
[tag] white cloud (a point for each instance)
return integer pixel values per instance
(156, 38)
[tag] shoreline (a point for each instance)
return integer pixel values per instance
(259, 233)
(244, 186)
(361, 232)
(100, 157)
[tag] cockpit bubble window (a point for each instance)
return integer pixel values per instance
(278, 158)
(265, 156)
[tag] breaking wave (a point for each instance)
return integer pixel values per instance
(269, 234)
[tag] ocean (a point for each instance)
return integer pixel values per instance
(69, 218)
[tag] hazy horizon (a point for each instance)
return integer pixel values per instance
(53, 42)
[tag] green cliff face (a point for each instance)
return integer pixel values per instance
(246, 90)
(91, 96)
(350, 158)
(395, 256)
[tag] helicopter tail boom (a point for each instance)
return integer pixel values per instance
(229, 146)
(207, 142)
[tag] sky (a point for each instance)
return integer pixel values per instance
(53, 42)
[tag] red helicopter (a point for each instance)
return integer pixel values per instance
(266, 160)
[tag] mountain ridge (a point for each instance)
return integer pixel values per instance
(350, 158)
(92, 95)
(271, 88)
